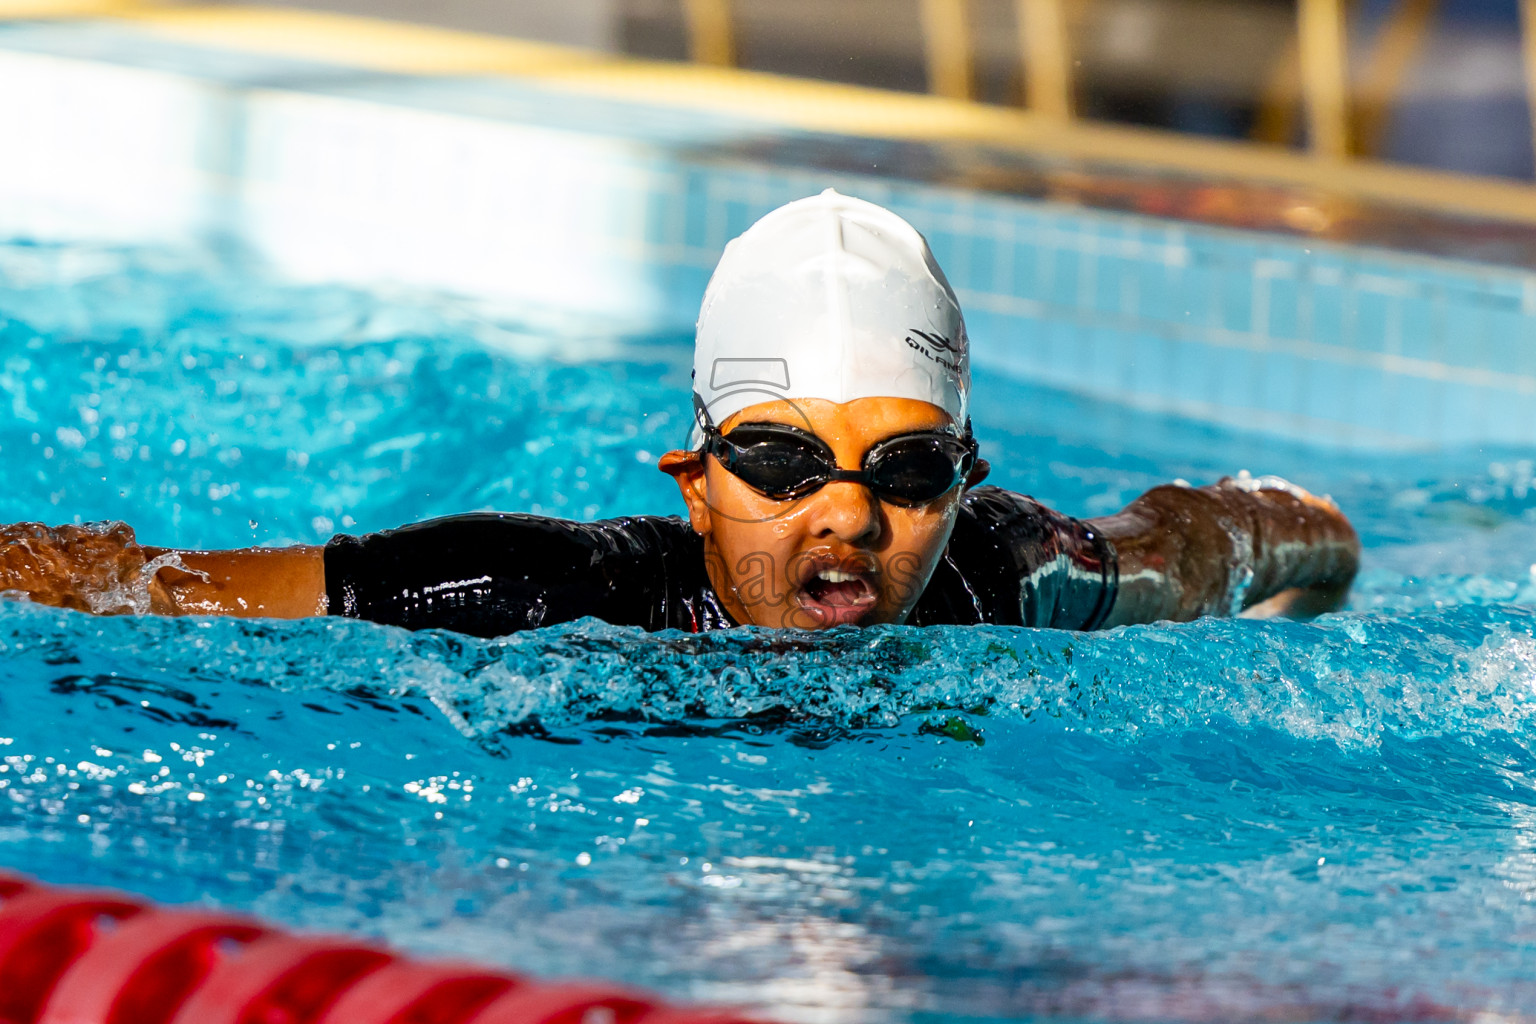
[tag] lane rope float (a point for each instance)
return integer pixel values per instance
(83, 956)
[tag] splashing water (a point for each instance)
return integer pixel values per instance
(1212, 821)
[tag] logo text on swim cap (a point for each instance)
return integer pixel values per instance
(931, 345)
(730, 373)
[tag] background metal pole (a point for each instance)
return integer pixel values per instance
(1324, 76)
(711, 36)
(1046, 50)
(947, 45)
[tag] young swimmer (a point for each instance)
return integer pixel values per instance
(833, 481)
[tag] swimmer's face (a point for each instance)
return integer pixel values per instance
(837, 556)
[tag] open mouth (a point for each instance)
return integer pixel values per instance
(838, 595)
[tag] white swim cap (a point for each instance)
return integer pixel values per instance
(829, 297)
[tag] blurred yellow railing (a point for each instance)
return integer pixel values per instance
(1323, 49)
(1046, 50)
(711, 36)
(1339, 125)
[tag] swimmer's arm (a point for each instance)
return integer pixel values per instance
(100, 567)
(1185, 552)
(276, 583)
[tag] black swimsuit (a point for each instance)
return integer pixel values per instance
(1010, 561)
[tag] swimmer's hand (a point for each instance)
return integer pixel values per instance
(1298, 603)
(101, 568)
(95, 567)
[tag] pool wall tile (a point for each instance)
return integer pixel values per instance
(1278, 298)
(1422, 327)
(1373, 321)
(1323, 302)
(1234, 301)
(1324, 390)
(1027, 270)
(1374, 397)
(1158, 291)
(1501, 340)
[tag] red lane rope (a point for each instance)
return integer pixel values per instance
(139, 972)
(11, 884)
(42, 932)
(412, 993)
(75, 956)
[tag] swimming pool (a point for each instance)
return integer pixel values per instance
(1214, 821)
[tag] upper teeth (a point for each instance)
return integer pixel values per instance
(837, 576)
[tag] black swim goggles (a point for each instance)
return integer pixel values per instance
(784, 462)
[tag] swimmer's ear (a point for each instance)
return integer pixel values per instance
(681, 462)
(978, 473)
(687, 468)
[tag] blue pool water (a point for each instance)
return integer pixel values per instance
(1205, 822)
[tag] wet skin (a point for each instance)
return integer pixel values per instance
(838, 556)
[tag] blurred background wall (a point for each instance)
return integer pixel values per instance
(1437, 83)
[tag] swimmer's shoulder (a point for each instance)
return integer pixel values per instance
(1000, 525)
(1013, 560)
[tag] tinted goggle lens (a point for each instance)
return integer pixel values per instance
(777, 466)
(918, 469)
(783, 463)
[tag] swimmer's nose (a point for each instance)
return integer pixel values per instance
(846, 511)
